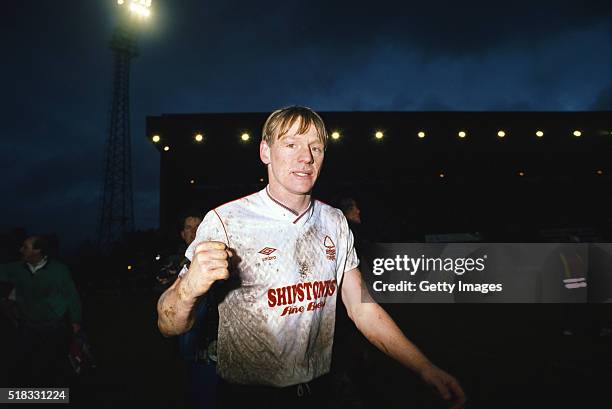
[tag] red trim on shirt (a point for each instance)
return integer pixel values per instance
(307, 210)
(280, 204)
(224, 229)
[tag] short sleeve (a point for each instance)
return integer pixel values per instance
(211, 229)
(348, 256)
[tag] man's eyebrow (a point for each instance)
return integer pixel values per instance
(285, 136)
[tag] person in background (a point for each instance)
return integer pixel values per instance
(349, 353)
(49, 309)
(197, 347)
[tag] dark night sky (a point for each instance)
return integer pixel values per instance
(234, 56)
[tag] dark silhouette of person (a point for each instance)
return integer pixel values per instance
(48, 302)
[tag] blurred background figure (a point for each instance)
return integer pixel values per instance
(349, 352)
(351, 211)
(197, 347)
(173, 263)
(49, 310)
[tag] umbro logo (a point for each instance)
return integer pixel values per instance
(267, 251)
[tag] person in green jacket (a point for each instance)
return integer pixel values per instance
(47, 301)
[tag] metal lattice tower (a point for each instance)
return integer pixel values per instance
(117, 207)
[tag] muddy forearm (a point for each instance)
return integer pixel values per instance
(175, 310)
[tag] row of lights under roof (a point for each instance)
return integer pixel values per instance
(335, 135)
(442, 175)
(522, 173)
(500, 134)
(461, 134)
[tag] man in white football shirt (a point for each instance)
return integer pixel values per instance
(290, 256)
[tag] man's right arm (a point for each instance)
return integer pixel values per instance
(175, 308)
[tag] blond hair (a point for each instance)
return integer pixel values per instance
(279, 122)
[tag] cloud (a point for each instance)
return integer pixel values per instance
(343, 27)
(57, 176)
(432, 103)
(603, 101)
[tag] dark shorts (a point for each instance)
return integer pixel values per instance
(316, 393)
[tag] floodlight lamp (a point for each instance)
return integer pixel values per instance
(199, 137)
(577, 133)
(245, 137)
(501, 134)
(379, 135)
(155, 138)
(421, 135)
(335, 135)
(462, 134)
(166, 148)
(141, 8)
(539, 134)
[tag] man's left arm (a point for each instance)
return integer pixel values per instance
(380, 329)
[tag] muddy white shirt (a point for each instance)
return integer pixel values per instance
(276, 322)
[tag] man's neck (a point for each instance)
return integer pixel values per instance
(36, 261)
(297, 203)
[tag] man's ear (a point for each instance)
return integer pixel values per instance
(264, 153)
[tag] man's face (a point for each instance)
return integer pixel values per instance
(190, 226)
(294, 160)
(28, 253)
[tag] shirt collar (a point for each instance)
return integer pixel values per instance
(278, 209)
(35, 267)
